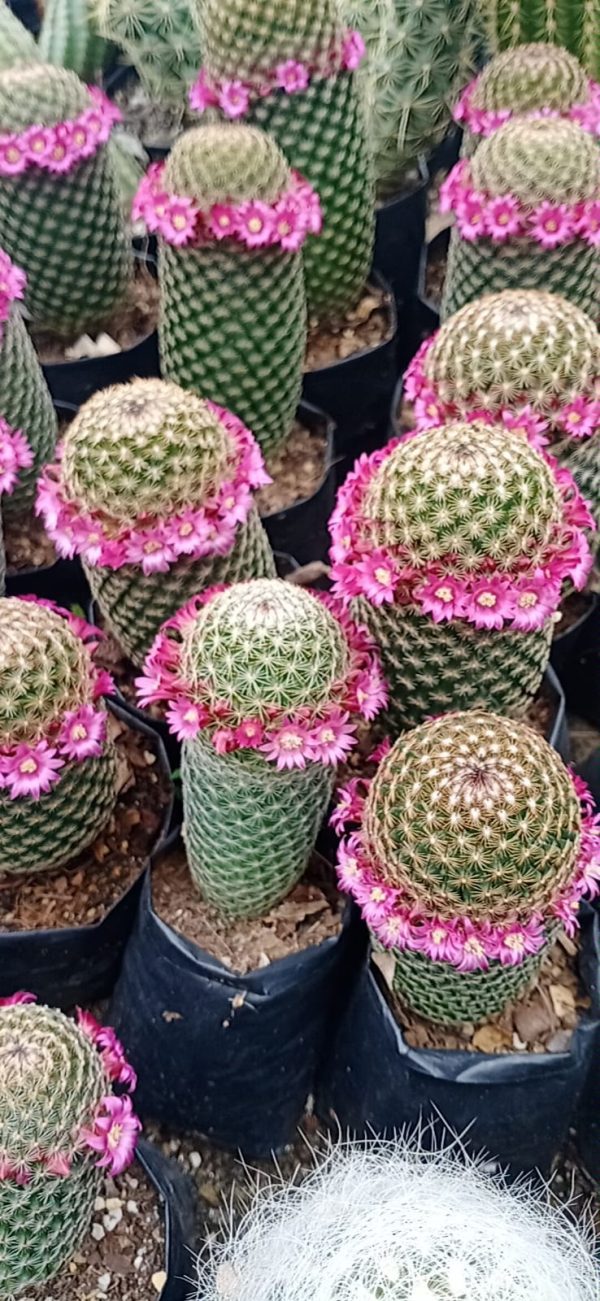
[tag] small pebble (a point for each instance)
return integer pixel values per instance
(110, 1221)
(104, 1282)
(132, 1208)
(98, 1232)
(195, 1160)
(158, 1280)
(99, 1204)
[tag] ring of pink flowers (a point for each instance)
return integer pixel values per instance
(180, 222)
(114, 1108)
(384, 575)
(57, 748)
(15, 455)
(12, 286)
(363, 692)
(59, 149)
(484, 122)
(500, 217)
(75, 531)
(233, 97)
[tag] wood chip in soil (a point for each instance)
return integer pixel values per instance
(311, 913)
(297, 470)
(365, 326)
(123, 1256)
(541, 1021)
(136, 318)
(81, 893)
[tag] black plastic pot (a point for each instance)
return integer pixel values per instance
(233, 1057)
(28, 13)
(78, 964)
(558, 734)
(567, 646)
(518, 1106)
(437, 246)
(301, 530)
(399, 237)
(447, 153)
(580, 670)
(178, 1208)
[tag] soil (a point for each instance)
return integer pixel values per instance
(572, 609)
(156, 125)
(84, 891)
(308, 915)
(133, 321)
(27, 544)
(364, 327)
(297, 470)
(540, 713)
(435, 275)
(123, 1256)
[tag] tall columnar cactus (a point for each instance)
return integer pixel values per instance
(527, 214)
(475, 846)
(154, 491)
(231, 221)
(60, 1121)
(452, 547)
(28, 424)
(16, 43)
(289, 68)
(57, 767)
(575, 24)
(60, 213)
(160, 38)
(69, 39)
(262, 680)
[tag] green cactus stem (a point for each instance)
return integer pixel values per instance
(574, 24)
(68, 39)
(16, 43)
(161, 40)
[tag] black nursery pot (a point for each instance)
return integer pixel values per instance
(399, 237)
(447, 153)
(587, 1124)
(558, 731)
(78, 964)
(437, 247)
(27, 12)
(301, 529)
(176, 1192)
(232, 1057)
(577, 657)
(517, 1107)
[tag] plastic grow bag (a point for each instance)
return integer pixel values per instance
(301, 530)
(178, 1200)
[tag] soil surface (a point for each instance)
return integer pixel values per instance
(435, 275)
(156, 125)
(133, 321)
(27, 544)
(365, 326)
(572, 609)
(297, 470)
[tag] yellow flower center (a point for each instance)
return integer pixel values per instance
(377, 894)
(114, 1136)
(473, 946)
(327, 735)
(551, 224)
(79, 732)
(383, 576)
(13, 154)
(79, 137)
(255, 224)
(515, 942)
(444, 594)
(38, 145)
(487, 599)
(438, 935)
(503, 219)
(179, 221)
(58, 152)
(573, 418)
(151, 546)
(224, 220)
(186, 529)
(527, 600)
(291, 741)
(283, 227)
(28, 765)
(190, 715)
(432, 410)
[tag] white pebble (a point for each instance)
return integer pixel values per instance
(132, 1208)
(99, 1204)
(104, 1282)
(195, 1160)
(110, 1221)
(97, 1232)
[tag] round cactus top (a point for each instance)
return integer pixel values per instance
(227, 163)
(473, 814)
(534, 76)
(245, 41)
(40, 94)
(45, 671)
(538, 160)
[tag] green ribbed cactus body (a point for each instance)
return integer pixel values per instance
(575, 24)
(68, 39)
(16, 43)
(66, 231)
(38, 835)
(486, 268)
(443, 994)
(233, 319)
(322, 131)
(533, 76)
(160, 39)
(26, 404)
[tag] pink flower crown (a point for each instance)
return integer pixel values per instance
(483, 122)
(290, 740)
(480, 215)
(30, 769)
(60, 148)
(15, 455)
(153, 543)
(233, 97)
(113, 1128)
(284, 224)
(397, 922)
(12, 286)
(579, 418)
(490, 597)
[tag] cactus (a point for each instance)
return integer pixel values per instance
(528, 215)
(2, 560)
(233, 316)
(60, 218)
(475, 845)
(153, 491)
(57, 1111)
(16, 43)
(318, 121)
(273, 673)
(27, 417)
(574, 24)
(161, 40)
(58, 783)
(68, 39)
(452, 547)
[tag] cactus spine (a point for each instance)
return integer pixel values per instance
(16, 43)
(574, 24)
(67, 38)
(161, 40)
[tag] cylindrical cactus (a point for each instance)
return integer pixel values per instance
(452, 547)
(60, 1123)
(160, 38)
(60, 211)
(574, 24)
(475, 845)
(289, 69)
(527, 214)
(262, 679)
(231, 222)
(58, 770)
(16, 43)
(69, 39)
(154, 491)
(28, 424)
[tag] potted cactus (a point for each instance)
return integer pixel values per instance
(527, 214)
(159, 39)
(16, 42)
(574, 24)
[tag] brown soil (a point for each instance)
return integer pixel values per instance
(541, 1021)
(297, 469)
(27, 544)
(572, 609)
(540, 713)
(310, 914)
(435, 276)
(83, 892)
(155, 124)
(132, 322)
(366, 326)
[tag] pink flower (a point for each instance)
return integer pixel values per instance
(451, 190)
(15, 454)
(154, 554)
(441, 598)
(331, 740)
(250, 734)
(488, 603)
(223, 739)
(588, 225)
(254, 224)
(471, 215)
(179, 222)
(13, 157)
(566, 909)
(527, 423)
(59, 158)
(377, 578)
(289, 229)
(349, 871)
(114, 1134)
(31, 770)
(552, 224)
(515, 943)
(291, 76)
(429, 413)
(350, 804)
(233, 98)
(88, 1025)
(37, 143)
(471, 950)
(83, 733)
(16, 1000)
(371, 692)
(103, 684)
(288, 747)
(222, 220)
(580, 417)
(398, 930)
(534, 601)
(353, 50)
(184, 719)
(12, 279)
(375, 901)
(201, 95)
(437, 939)
(114, 1060)
(503, 218)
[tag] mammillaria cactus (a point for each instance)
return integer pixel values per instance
(475, 845)
(65, 1115)
(57, 767)
(28, 424)
(262, 679)
(160, 39)
(452, 547)
(527, 210)
(289, 68)
(574, 24)
(231, 220)
(60, 213)
(153, 490)
(69, 39)
(16, 43)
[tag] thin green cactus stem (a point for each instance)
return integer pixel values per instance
(26, 404)
(16, 43)
(68, 39)
(574, 24)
